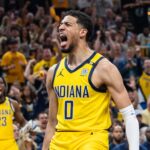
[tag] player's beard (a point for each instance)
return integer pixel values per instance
(73, 45)
(68, 50)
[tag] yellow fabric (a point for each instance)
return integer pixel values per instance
(16, 74)
(80, 107)
(146, 117)
(41, 64)
(80, 141)
(60, 3)
(144, 82)
(120, 117)
(6, 123)
(8, 145)
(52, 11)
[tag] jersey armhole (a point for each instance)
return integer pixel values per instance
(103, 87)
(11, 105)
(55, 73)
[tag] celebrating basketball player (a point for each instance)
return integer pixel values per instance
(10, 109)
(79, 88)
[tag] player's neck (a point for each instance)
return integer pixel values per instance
(79, 55)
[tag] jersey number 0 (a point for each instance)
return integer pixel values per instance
(68, 109)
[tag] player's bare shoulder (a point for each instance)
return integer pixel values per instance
(52, 70)
(105, 65)
(106, 71)
(50, 75)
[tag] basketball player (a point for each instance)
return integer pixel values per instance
(8, 109)
(79, 88)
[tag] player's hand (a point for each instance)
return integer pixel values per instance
(12, 66)
(98, 34)
(21, 63)
(32, 62)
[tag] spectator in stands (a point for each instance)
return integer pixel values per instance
(124, 146)
(140, 120)
(147, 142)
(83, 4)
(47, 61)
(117, 136)
(15, 32)
(142, 134)
(120, 61)
(144, 37)
(144, 84)
(101, 6)
(146, 113)
(13, 63)
(24, 36)
(28, 103)
(42, 118)
(34, 30)
(37, 82)
(129, 70)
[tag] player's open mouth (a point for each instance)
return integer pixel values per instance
(63, 40)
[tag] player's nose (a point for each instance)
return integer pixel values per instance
(61, 27)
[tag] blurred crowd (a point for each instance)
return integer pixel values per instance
(29, 46)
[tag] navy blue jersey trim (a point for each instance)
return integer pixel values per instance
(55, 72)
(86, 61)
(103, 87)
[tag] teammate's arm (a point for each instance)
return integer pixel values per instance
(17, 113)
(110, 76)
(52, 121)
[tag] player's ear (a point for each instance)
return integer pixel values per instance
(83, 32)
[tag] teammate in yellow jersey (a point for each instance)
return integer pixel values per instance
(79, 90)
(8, 109)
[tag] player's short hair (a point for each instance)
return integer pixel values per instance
(83, 19)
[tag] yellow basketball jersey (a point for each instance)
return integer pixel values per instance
(81, 106)
(144, 83)
(6, 121)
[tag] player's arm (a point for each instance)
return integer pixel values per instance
(111, 77)
(27, 126)
(18, 114)
(52, 121)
